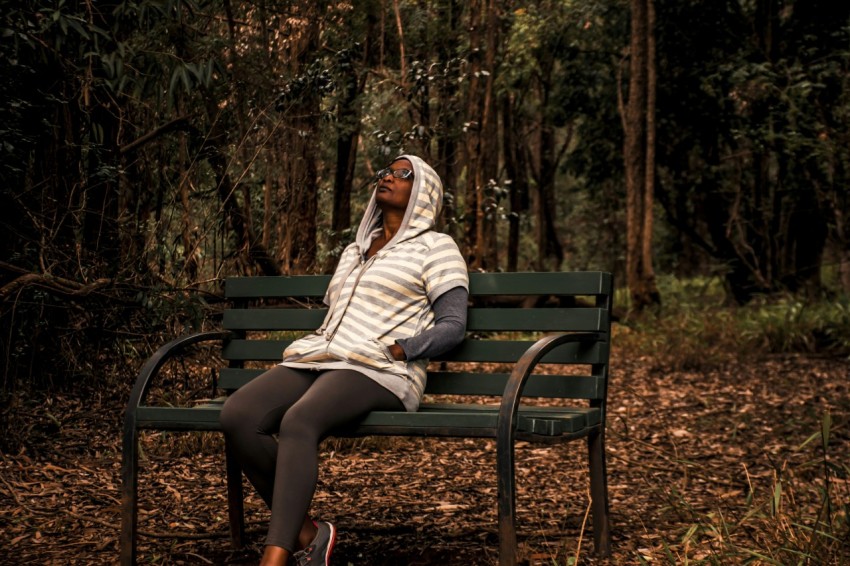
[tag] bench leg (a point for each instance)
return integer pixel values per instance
(599, 494)
(235, 505)
(507, 502)
(129, 496)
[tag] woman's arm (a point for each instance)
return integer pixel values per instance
(448, 330)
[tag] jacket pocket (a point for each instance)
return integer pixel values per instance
(311, 348)
(371, 353)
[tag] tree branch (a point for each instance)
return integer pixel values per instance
(55, 284)
(150, 136)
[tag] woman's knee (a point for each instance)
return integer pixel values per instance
(235, 415)
(298, 423)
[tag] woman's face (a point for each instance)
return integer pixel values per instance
(392, 191)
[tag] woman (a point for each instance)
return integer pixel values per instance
(398, 297)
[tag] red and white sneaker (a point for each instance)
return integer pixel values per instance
(318, 552)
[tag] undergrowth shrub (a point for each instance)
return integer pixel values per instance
(695, 327)
(793, 325)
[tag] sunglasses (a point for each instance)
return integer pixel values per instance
(397, 173)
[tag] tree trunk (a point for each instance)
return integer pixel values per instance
(516, 170)
(844, 269)
(481, 140)
(191, 266)
(472, 196)
(639, 126)
(839, 202)
(301, 204)
(449, 118)
(348, 124)
(249, 246)
(489, 162)
(548, 241)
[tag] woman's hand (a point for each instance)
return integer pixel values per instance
(397, 352)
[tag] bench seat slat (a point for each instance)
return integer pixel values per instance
(437, 419)
(484, 417)
(507, 351)
(201, 417)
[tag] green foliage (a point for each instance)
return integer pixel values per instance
(750, 166)
(692, 331)
(791, 324)
(697, 328)
(137, 136)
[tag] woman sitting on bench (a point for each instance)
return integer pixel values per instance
(397, 298)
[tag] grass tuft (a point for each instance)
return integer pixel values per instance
(695, 329)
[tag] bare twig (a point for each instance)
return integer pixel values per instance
(56, 284)
(174, 124)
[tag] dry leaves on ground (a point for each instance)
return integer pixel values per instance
(694, 462)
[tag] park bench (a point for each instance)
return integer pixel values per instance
(516, 321)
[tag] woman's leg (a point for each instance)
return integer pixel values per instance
(336, 398)
(251, 416)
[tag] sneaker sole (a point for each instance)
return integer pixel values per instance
(331, 543)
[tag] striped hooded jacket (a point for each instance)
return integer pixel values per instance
(372, 303)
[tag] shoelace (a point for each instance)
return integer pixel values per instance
(305, 558)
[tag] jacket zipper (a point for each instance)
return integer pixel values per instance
(364, 265)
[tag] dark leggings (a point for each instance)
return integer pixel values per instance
(301, 407)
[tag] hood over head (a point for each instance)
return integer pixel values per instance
(423, 208)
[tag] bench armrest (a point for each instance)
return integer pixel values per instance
(506, 424)
(158, 359)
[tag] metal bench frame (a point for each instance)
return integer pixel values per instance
(583, 338)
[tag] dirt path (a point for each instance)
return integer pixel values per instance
(703, 465)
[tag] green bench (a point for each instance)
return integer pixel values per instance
(516, 321)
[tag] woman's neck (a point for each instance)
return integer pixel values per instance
(392, 223)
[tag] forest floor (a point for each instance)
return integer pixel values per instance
(723, 464)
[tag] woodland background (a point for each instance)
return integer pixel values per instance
(151, 147)
(698, 149)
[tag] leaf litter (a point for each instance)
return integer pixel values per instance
(692, 455)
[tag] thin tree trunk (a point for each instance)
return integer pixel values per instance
(844, 270)
(400, 28)
(838, 202)
(348, 122)
(481, 137)
(639, 123)
(250, 247)
(268, 200)
(472, 200)
(649, 186)
(189, 245)
(446, 137)
(488, 162)
(517, 177)
(549, 242)
(301, 206)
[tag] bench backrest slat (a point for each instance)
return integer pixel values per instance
(574, 283)
(479, 319)
(276, 287)
(511, 311)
